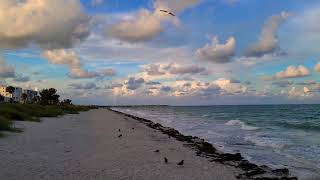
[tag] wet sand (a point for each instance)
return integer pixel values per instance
(87, 146)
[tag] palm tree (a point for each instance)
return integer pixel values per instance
(67, 101)
(10, 90)
(49, 96)
(24, 97)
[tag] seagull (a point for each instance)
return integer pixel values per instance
(157, 150)
(120, 136)
(165, 160)
(181, 163)
(170, 13)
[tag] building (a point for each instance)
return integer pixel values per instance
(5, 94)
(30, 94)
(16, 95)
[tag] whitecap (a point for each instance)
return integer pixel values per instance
(242, 125)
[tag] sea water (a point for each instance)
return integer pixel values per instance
(274, 135)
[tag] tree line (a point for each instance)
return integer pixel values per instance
(45, 97)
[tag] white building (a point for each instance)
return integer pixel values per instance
(30, 94)
(16, 95)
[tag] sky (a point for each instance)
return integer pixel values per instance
(129, 52)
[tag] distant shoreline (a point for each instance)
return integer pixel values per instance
(293, 104)
(205, 149)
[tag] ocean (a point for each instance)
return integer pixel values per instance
(274, 135)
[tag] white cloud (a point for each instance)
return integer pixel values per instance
(216, 52)
(134, 83)
(21, 78)
(97, 48)
(48, 23)
(129, 87)
(230, 86)
(172, 69)
(176, 6)
(268, 40)
(295, 92)
(145, 24)
(61, 56)
(293, 72)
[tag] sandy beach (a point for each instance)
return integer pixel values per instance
(87, 146)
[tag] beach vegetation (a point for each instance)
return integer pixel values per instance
(45, 105)
(10, 112)
(10, 90)
(49, 97)
(24, 97)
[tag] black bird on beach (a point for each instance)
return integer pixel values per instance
(132, 128)
(120, 136)
(181, 163)
(157, 150)
(165, 160)
(170, 13)
(119, 130)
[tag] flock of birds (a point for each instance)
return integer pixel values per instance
(157, 151)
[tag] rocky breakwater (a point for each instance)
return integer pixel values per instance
(207, 150)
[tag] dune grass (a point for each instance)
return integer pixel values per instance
(33, 112)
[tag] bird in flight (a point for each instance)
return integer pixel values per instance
(170, 13)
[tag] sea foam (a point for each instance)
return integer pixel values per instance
(242, 125)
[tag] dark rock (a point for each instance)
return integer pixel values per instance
(198, 140)
(155, 126)
(184, 138)
(207, 148)
(246, 165)
(171, 132)
(230, 157)
(198, 153)
(255, 172)
(281, 171)
(289, 178)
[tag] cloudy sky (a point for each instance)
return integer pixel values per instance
(117, 52)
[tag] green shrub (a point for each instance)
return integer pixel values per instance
(5, 124)
(33, 112)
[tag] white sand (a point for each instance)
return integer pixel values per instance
(86, 147)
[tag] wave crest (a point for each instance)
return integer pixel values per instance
(242, 125)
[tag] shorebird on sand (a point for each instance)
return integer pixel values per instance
(157, 150)
(165, 160)
(120, 136)
(181, 163)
